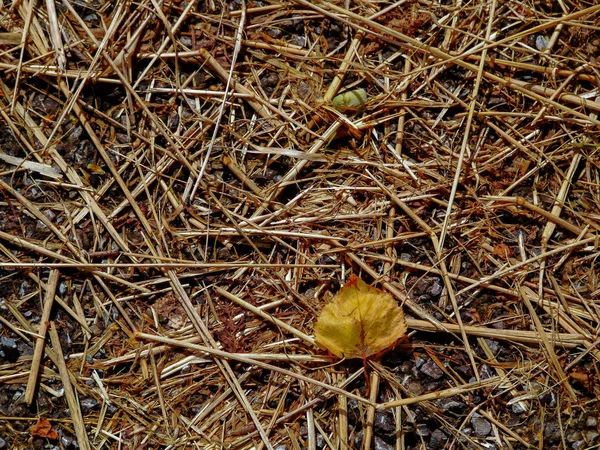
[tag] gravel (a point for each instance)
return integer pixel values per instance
(481, 426)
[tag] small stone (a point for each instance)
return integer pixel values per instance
(432, 370)
(423, 430)
(414, 387)
(384, 422)
(8, 349)
(498, 325)
(493, 345)
(187, 41)
(320, 442)
(274, 32)
(380, 444)
(486, 372)
(591, 436)
(452, 405)
(548, 399)
(541, 42)
(67, 441)
(122, 138)
(406, 257)
(464, 371)
(578, 445)
(421, 287)
(436, 288)
(303, 89)
(574, 436)
(552, 432)
(591, 422)
(2, 443)
(405, 367)
(300, 41)
(438, 439)
(481, 426)
(358, 439)
(519, 408)
(88, 404)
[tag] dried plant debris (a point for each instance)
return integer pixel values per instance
(185, 184)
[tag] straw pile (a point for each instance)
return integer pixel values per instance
(181, 195)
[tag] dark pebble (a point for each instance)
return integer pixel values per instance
(303, 89)
(432, 370)
(499, 325)
(414, 387)
(573, 436)
(87, 404)
(358, 439)
(452, 405)
(591, 436)
(274, 32)
(122, 138)
(486, 372)
(481, 426)
(548, 399)
(421, 287)
(406, 367)
(269, 81)
(552, 432)
(353, 411)
(68, 442)
(8, 349)
(320, 442)
(493, 345)
(438, 439)
(463, 371)
(384, 422)
(303, 432)
(406, 257)
(591, 422)
(433, 386)
(436, 288)
(38, 442)
(423, 430)
(297, 40)
(380, 444)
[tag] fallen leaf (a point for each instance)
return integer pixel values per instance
(360, 321)
(43, 428)
(95, 168)
(582, 377)
(351, 99)
(502, 250)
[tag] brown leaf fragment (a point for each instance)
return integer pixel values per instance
(43, 428)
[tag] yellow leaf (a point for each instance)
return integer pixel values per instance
(360, 321)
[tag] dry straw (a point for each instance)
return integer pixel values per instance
(179, 283)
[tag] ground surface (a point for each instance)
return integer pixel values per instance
(169, 172)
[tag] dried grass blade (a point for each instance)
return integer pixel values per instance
(279, 323)
(562, 378)
(252, 362)
(65, 375)
(41, 338)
